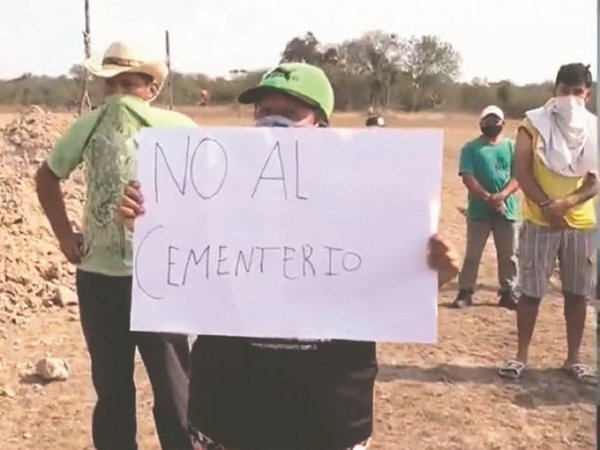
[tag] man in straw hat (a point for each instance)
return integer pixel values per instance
(103, 141)
(279, 394)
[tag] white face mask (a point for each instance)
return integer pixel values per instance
(570, 110)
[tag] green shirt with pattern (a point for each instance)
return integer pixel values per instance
(103, 141)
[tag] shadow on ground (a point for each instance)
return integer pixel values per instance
(32, 378)
(538, 387)
(452, 289)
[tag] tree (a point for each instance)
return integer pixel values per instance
(25, 76)
(504, 93)
(377, 56)
(376, 69)
(429, 62)
(308, 49)
(77, 72)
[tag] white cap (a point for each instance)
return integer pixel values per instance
(492, 109)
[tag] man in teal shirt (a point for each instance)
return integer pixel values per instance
(486, 168)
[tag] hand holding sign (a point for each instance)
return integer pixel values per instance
(442, 258)
(131, 205)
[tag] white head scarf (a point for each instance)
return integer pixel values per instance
(568, 136)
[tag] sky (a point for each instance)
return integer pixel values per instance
(520, 40)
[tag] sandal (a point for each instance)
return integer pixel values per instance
(582, 373)
(513, 369)
(362, 446)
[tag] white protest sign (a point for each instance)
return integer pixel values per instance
(289, 233)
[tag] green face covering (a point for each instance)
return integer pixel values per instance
(104, 141)
(110, 157)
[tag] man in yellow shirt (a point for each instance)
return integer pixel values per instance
(556, 167)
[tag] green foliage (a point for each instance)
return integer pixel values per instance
(377, 69)
(308, 49)
(430, 63)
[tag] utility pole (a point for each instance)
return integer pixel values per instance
(169, 78)
(85, 101)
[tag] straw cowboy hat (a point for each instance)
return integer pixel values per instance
(122, 58)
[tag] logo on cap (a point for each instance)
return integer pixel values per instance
(281, 72)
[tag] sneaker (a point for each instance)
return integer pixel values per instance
(508, 301)
(464, 298)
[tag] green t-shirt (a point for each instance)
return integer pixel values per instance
(103, 141)
(491, 165)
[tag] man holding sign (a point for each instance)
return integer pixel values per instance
(251, 393)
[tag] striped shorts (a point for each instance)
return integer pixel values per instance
(540, 248)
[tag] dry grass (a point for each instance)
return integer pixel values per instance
(446, 396)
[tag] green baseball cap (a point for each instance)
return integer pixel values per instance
(303, 81)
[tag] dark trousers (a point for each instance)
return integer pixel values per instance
(105, 304)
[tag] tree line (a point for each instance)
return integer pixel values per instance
(378, 69)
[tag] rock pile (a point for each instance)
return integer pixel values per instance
(31, 135)
(33, 272)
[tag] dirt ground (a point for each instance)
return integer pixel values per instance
(5, 118)
(444, 396)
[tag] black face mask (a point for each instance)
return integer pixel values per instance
(491, 131)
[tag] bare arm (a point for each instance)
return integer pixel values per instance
(474, 186)
(524, 169)
(511, 187)
(51, 198)
(587, 190)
